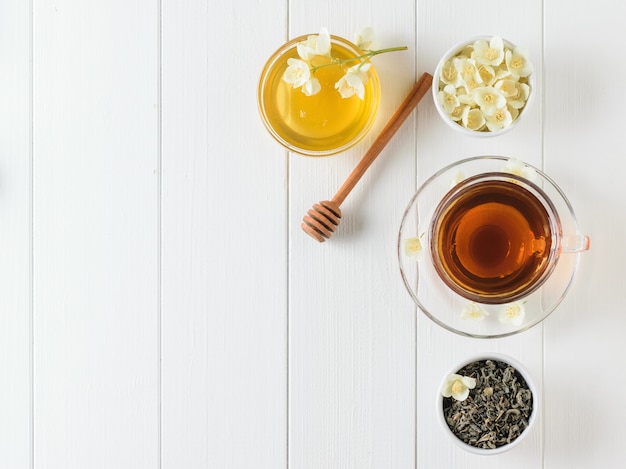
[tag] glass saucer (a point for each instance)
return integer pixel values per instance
(447, 308)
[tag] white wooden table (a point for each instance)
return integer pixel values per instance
(160, 306)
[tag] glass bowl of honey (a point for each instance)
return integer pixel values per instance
(324, 123)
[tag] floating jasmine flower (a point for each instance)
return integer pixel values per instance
(448, 99)
(297, 73)
(489, 99)
(315, 45)
(519, 168)
(489, 53)
(353, 82)
(500, 119)
(457, 386)
(513, 313)
(473, 311)
(365, 39)
(473, 119)
(311, 86)
(413, 247)
(517, 63)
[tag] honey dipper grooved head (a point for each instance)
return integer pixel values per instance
(321, 220)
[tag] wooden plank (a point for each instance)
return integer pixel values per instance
(584, 154)
(96, 234)
(440, 26)
(352, 326)
(15, 237)
(224, 334)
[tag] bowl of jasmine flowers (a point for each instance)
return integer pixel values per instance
(483, 86)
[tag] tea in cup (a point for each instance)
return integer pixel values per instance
(496, 237)
(489, 246)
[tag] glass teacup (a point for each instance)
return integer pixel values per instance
(489, 246)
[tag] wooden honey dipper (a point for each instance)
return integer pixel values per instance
(321, 221)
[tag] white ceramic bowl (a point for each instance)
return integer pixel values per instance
(533, 416)
(437, 86)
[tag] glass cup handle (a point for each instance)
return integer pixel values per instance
(575, 243)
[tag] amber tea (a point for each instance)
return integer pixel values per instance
(491, 240)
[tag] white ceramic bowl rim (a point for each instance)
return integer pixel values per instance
(435, 89)
(529, 381)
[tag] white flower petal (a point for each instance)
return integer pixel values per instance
(457, 386)
(469, 382)
(448, 99)
(507, 87)
(465, 98)
(363, 68)
(519, 168)
(489, 99)
(468, 69)
(461, 395)
(520, 96)
(322, 47)
(514, 166)
(499, 120)
(297, 72)
(488, 74)
(473, 119)
(446, 389)
(311, 87)
(353, 82)
(514, 112)
(412, 247)
(365, 39)
(513, 313)
(344, 88)
(356, 83)
(315, 45)
(306, 49)
(517, 63)
(449, 74)
(473, 311)
(457, 113)
(489, 53)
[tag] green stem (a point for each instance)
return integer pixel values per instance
(364, 58)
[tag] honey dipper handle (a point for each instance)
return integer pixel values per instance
(415, 95)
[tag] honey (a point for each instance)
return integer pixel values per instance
(324, 123)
